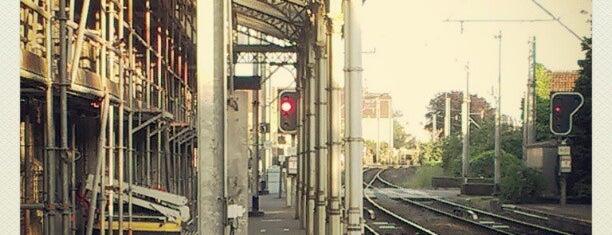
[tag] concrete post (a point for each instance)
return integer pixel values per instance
(237, 166)
(465, 128)
(211, 85)
(352, 27)
(447, 117)
(496, 162)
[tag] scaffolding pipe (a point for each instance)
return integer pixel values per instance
(66, 210)
(352, 27)
(130, 22)
(73, 177)
(28, 169)
(147, 16)
(112, 143)
(63, 118)
(79, 40)
(101, 155)
(71, 11)
(50, 129)
(108, 192)
(103, 75)
(50, 163)
(121, 130)
(168, 159)
(158, 156)
(148, 156)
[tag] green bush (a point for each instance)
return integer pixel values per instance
(520, 184)
(583, 188)
(422, 177)
(482, 164)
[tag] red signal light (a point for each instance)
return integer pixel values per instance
(558, 109)
(286, 106)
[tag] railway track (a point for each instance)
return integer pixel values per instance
(380, 220)
(480, 221)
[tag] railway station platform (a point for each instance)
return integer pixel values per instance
(277, 218)
(571, 211)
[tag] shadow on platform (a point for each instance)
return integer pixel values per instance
(277, 218)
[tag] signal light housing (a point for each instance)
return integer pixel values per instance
(288, 111)
(563, 105)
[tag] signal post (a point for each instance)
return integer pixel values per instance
(563, 106)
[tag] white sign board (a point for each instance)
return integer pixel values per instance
(565, 162)
(564, 150)
(292, 165)
(290, 151)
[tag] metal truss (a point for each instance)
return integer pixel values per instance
(263, 37)
(280, 18)
(265, 57)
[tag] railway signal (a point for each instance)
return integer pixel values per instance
(563, 105)
(288, 115)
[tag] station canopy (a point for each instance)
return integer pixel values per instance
(282, 19)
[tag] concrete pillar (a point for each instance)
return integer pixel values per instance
(312, 172)
(335, 58)
(353, 94)
(211, 108)
(321, 121)
(237, 164)
(305, 139)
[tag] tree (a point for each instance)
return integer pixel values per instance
(437, 106)
(400, 137)
(580, 139)
(542, 96)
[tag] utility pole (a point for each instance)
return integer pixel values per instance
(531, 133)
(377, 130)
(447, 116)
(496, 174)
(465, 127)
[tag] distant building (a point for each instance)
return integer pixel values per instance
(563, 80)
(377, 119)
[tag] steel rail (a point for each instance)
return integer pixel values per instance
(504, 218)
(390, 213)
(478, 211)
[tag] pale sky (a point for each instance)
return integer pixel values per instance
(417, 54)
(411, 53)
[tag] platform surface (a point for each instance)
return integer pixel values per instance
(277, 218)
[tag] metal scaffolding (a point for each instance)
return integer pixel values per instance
(95, 76)
(116, 98)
